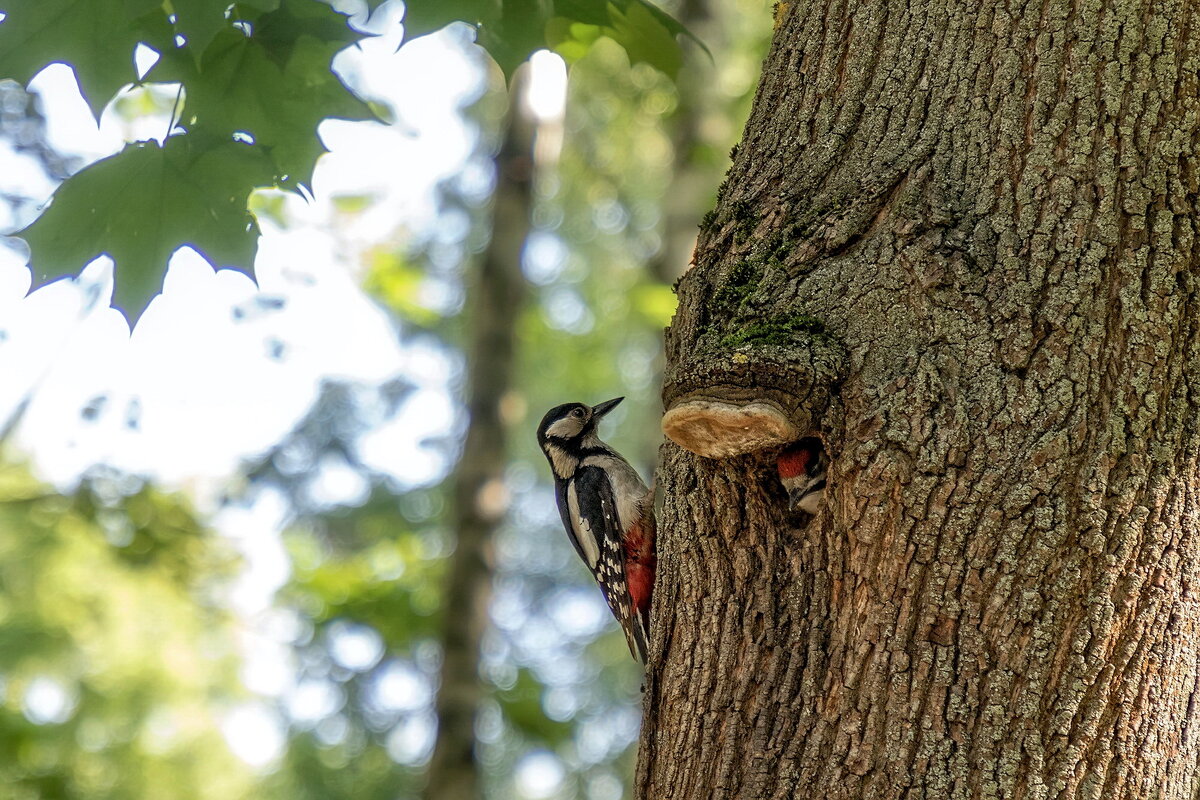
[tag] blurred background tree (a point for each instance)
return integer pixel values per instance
(117, 657)
(292, 644)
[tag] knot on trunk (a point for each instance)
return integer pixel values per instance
(759, 386)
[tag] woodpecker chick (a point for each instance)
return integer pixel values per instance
(608, 513)
(802, 470)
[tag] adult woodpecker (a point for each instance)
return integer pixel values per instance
(608, 513)
(801, 468)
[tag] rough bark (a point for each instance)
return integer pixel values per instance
(959, 244)
(496, 295)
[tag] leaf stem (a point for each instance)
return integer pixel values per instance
(174, 109)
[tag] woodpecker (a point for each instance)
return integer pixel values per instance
(608, 513)
(802, 467)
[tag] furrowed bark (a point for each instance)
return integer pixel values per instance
(496, 296)
(984, 219)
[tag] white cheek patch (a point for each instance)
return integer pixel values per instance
(565, 428)
(583, 531)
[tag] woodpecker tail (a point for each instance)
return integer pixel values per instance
(637, 635)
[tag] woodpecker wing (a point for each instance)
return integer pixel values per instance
(596, 532)
(568, 517)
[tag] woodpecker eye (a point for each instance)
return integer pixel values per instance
(577, 413)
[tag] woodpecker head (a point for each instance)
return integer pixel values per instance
(802, 471)
(567, 429)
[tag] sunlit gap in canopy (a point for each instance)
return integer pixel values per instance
(546, 100)
(547, 97)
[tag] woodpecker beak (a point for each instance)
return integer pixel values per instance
(601, 409)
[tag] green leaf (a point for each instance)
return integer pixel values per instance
(514, 29)
(426, 16)
(280, 30)
(647, 34)
(509, 31)
(664, 20)
(262, 6)
(518, 32)
(276, 86)
(199, 21)
(95, 37)
(588, 12)
(645, 38)
(142, 204)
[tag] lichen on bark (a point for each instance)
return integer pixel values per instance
(748, 379)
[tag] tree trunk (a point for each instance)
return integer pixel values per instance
(495, 299)
(960, 246)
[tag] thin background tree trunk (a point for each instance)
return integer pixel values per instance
(686, 198)
(991, 212)
(496, 295)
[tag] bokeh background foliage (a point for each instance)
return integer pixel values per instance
(115, 655)
(275, 624)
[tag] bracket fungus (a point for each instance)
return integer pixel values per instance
(717, 428)
(728, 402)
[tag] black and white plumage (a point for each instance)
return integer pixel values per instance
(607, 511)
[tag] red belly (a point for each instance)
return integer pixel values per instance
(641, 584)
(639, 565)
